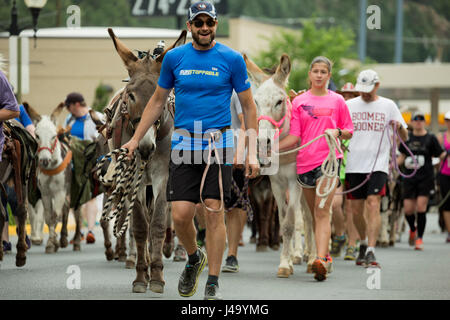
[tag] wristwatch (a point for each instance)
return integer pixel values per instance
(340, 132)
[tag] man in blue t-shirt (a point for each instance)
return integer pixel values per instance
(204, 74)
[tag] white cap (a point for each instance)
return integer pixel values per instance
(366, 81)
(447, 115)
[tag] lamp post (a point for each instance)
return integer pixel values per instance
(15, 45)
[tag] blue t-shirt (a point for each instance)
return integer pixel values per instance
(204, 81)
(24, 118)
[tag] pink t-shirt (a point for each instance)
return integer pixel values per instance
(311, 116)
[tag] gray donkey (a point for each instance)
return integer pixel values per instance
(124, 112)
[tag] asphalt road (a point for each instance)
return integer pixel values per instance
(405, 274)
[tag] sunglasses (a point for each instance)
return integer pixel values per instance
(199, 23)
(419, 118)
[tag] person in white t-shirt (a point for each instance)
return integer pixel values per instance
(369, 152)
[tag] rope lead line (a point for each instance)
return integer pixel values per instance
(123, 180)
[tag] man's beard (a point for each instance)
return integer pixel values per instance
(196, 38)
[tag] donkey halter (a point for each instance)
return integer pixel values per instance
(278, 124)
(52, 149)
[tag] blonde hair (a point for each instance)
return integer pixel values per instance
(321, 59)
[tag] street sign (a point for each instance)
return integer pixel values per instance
(140, 8)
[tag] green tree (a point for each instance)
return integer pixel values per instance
(304, 45)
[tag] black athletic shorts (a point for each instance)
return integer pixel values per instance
(375, 186)
(444, 186)
(185, 179)
(309, 179)
(239, 178)
(412, 188)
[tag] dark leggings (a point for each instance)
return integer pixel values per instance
(12, 200)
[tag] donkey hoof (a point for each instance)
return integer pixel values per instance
(384, 244)
(261, 248)
(129, 264)
(284, 272)
(51, 249)
(168, 249)
(20, 261)
(139, 287)
(36, 242)
(122, 258)
(76, 247)
(156, 286)
(109, 253)
(309, 268)
(63, 243)
(297, 260)
(275, 247)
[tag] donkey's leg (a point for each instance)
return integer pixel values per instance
(131, 259)
(63, 242)
(78, 225)
(140, 231)
(264, 225)
(22, 247)
(36, 216)
(2, 225)
(287, 225)
(109, 253)
(169, 241)
(121, 247)
(50, 220)
(157, 231)
(294, 203)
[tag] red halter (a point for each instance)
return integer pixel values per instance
(46, 148)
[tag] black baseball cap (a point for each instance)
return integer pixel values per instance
(202, 7)
(73, 97)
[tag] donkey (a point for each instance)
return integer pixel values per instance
(54, 180)
(15, 166)
(149, 222)
(273, 103)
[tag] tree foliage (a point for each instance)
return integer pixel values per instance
(303, 46)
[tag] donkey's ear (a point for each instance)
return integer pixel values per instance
(257, 75)
(55, 114)
(281, 76)
(34, 115)
(128, 57)
(180, 41)
(94, 116)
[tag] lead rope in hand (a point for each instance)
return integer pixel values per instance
(330, 166)
(123, 180)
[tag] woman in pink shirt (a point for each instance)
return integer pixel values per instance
(314, 113)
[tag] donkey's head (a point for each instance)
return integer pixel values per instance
(48, 153)
(144, 74)
(270, 96)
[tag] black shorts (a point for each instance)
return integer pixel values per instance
(375, 186)
(185, 180)
(309, 179)
(412, 188)
(239, 178)
(444, 186)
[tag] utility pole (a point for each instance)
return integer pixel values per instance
(399, 33)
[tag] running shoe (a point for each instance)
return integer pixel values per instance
(90, 238)
(336, 247)
(361, 255)
(187, 285)
(370, 260)
(330, 263)
(412, 238)
(419, 244)
(212, 292)
(231, 265)
(179, 253)
(350, 253)
(320, 268)
(448, 238)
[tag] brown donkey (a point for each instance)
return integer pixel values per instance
(149, 221)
